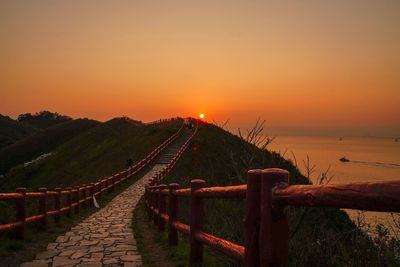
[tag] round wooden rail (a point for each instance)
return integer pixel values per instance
(4, 196)
(226, 247)
(236, 191)
(383, 196)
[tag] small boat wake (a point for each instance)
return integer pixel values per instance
(376, 164)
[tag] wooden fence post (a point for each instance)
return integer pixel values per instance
(21, 213)
(274, 229)
(156, 205)
(196, 223)
(173, 211)
(152, 203)
(43, 208)
(69, 201)
(100, 188)
(77, 199)
(92, 187)
(162, 207)
(87, 189)
(118, 177)
(252, 219)
(84, 195)
(146, 199)
(57, 205)
(149, 203)
(112, 180)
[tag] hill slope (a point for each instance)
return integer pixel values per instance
(12, 131)
(95, 153)
(26, 125)
(41, 142)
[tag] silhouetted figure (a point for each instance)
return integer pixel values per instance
(129, 162)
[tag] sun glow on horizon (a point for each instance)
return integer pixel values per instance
(201, 115)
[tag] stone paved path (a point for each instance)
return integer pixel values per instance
(103, 239)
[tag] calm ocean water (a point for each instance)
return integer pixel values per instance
(371, 160)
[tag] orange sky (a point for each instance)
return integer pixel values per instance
(307, 67)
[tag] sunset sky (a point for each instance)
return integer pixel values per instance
(307, 67)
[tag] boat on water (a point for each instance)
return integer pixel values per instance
(344, 159)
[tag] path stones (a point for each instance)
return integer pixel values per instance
(47, 254)
(103, 239)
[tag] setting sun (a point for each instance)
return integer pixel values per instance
(201, 116)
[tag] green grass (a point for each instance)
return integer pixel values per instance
(146, 257)
(27, 124)
(12, 131)
(42, 142)
(97, 152)
(178, 254)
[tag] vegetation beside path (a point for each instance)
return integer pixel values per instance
(83, 159)
(319, 236)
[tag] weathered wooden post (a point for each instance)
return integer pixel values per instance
(156, 205)
(173, 211)
(43, 208)
(57, 205)
(162, 207)
(83, 189)
(69, 201)
(91, 188)
(77, 199)
(112, 181)
(274, 229)
(21, 212)
(149, 202)
(87, 202)
(152, 203)
(146, 199)
(252, 219)
(100, 188)
(196, 222)
(118, 177)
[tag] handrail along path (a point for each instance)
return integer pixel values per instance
(265, 226)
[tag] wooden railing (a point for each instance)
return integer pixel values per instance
(69, 200)
(266, 229)
(164, 171)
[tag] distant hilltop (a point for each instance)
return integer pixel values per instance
(26, 124)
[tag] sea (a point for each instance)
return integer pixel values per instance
(371, 159)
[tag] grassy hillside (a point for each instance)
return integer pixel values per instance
(26, 124)
(99, 151)
(319, 237)
(12, 131)
(41, 142)
(95, 153)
